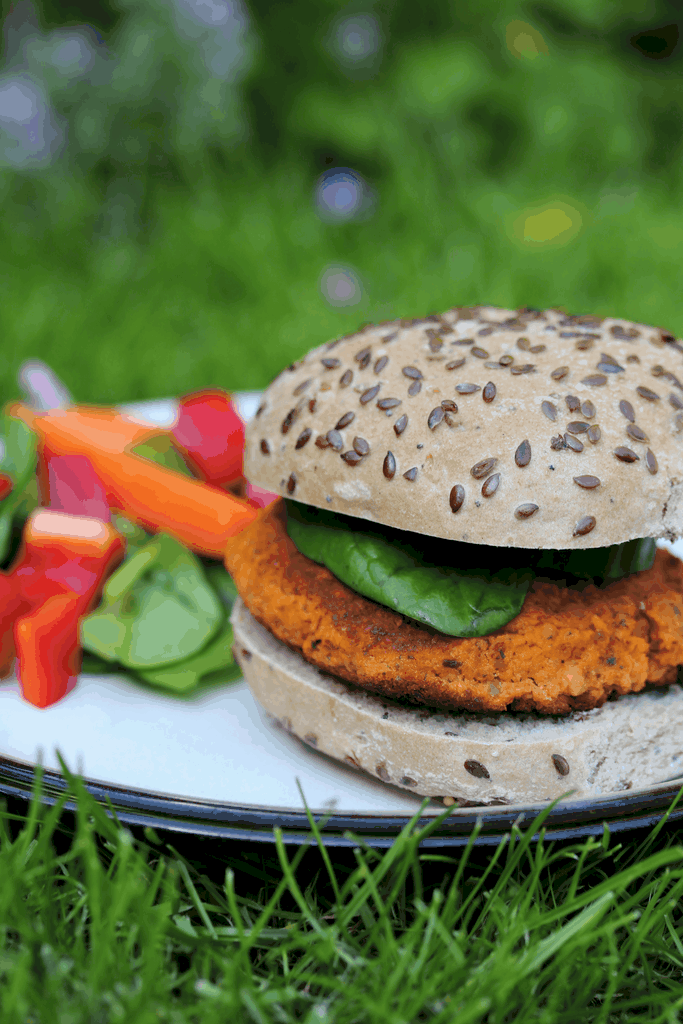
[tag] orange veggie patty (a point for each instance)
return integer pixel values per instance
(568, 649)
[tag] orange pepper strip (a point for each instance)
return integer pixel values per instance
(201, 516)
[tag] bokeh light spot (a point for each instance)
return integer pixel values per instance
(524, 42)
(340, 194)
(555, 223)
(341, 286)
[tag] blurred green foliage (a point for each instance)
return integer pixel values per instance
(521, 154)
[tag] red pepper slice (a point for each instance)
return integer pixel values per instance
(6, 485)
(210, 435)
(69, 483)
(57, 578)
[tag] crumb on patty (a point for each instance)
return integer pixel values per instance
(567, 650)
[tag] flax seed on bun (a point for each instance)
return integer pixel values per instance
(527, 429)
(577, 416)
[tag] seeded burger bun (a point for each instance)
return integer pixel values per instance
(527, 429)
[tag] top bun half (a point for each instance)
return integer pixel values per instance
(400, 423)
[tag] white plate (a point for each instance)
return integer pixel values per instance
(216, 747)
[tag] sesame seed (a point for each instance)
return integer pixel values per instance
(675, 401)
(651, 461)
(303, 437)
(633, 359)
(369, 394)
(389, 466)
(463, 341)
(609, 367)
(584, 526)
(483, 468)
(411, 474)
(594, 433)
(456, 497)
(361, 446)
(588, 410)
(300, 388)
(657, 371)
(525, 368)
(627, 410)
(388, 403)
(523, 454)
(352, 458)
(626, 454)
(448, 405)
(435, 418)
(537, 349)
(363, 357)
(549, 410)
(647, 393)
(344, 420)
(412, 372)
(506, 360)
(490, 486)
(596, 380)
(609, 360)
(380, 364)
(489, 392)
(330, 364)
(260, 409)
(573, 443)
(480, 353)
(588, 482)
(291, 416)
(477, 769)
(523, 343)
(620, 332)
(435, 344)
(346, 378)
(291, 483)
(560, 373)
(494, 366)
(467, 389)
(573, 403)
(561, 764)
(334, 439)
(526, 511)
(415, 388)
(584, 344)
(321, 441)
(312, 405)
(400, 425)
(577, 427)
(389, 337)
(636, 433)
(455, 364)
(265, 447)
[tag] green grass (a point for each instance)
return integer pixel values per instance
(226, 289)
(100, 926)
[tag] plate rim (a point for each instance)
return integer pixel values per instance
(220, 819)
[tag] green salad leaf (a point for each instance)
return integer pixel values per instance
(157, 608)
(160, 449)
(18, 460)
(465, 601)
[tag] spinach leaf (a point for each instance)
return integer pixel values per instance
(160, 449)
(464, 602)
(157, 608)
(183, 676)
(18, 460)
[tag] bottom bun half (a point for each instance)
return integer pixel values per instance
(631, 742)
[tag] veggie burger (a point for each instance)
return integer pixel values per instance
(459, 590)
